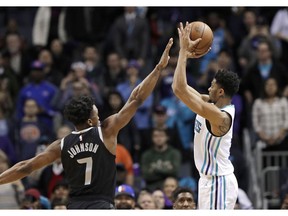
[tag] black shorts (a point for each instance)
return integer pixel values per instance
(96, 204)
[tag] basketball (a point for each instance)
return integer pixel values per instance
(201, 30)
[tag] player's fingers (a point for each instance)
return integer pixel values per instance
(170, 42)
(181, 26)
(197, 41)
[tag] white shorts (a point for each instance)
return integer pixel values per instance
(217, 192)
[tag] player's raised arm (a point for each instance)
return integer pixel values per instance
(139, 94)
(193, 99)
(26, 167)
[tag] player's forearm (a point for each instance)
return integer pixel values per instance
(146, 87)
(18, 171)
(180, 79)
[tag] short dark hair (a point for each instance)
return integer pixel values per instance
(180, 190)
(228, 80)
(78, 109)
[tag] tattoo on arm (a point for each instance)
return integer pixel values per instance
(225, 126)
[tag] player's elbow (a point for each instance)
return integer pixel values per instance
(177, 89)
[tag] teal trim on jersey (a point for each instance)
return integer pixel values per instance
(212, 193)
(205, 158)
(212, 157)
(215, 155)
(224, 192)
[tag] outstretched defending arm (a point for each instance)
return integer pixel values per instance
(26, 167)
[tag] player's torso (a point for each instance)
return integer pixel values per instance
(89, 167)
(211, 153)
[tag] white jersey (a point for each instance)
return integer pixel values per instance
(211, 153)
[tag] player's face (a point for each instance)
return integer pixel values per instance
(214, 91)
(184, 201)
(94, 117)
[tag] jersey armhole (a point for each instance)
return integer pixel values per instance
(208, 125)
(62, 143)
(100, 134)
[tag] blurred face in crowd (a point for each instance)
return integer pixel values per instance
(45, 57)
(115, 101)
(159, 138)
(79, 88)
(224, 60)
(184, 201)
(13, 43)
(146, 201)
(158, 196)
(113, 62)
(170, 184)
(271, 87)
(63, 131)
(124, 201)
(56, 47)
(30, 107)
(90, 53)
(263, 52)
(249, 19)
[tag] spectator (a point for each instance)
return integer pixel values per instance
(169, 185)
(51, 73)
(61, 59)
(60, 190)
(10, 194)
(59, 204)
(279, 30)
(160, 161)
(159, 198)
(129, 135)
(124, 161)
(124, 197)
(270, 117)
(142, 115)
(146, 201)
(247, 51)
(183, 198)
(41, 91)
(114, 73)
(76, 83)
(265, 67)
(131, 37)
(29, 129)
(18, 58)
(48, 25)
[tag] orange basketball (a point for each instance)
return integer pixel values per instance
(201, 30)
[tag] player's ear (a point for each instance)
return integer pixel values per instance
(221, 91)
(89, 121)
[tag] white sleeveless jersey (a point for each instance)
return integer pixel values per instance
(211, 153)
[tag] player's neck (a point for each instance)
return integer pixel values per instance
(222, 102)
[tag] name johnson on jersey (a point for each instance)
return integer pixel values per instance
(82, 147)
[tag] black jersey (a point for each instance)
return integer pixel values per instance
(89, 167)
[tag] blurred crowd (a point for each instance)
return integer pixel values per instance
(50, 54)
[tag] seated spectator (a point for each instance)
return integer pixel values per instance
(159, 198)
(145, 200)
(169, 185)
(59, 203)
(34, 200)
(124, 197)
(183, 198)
